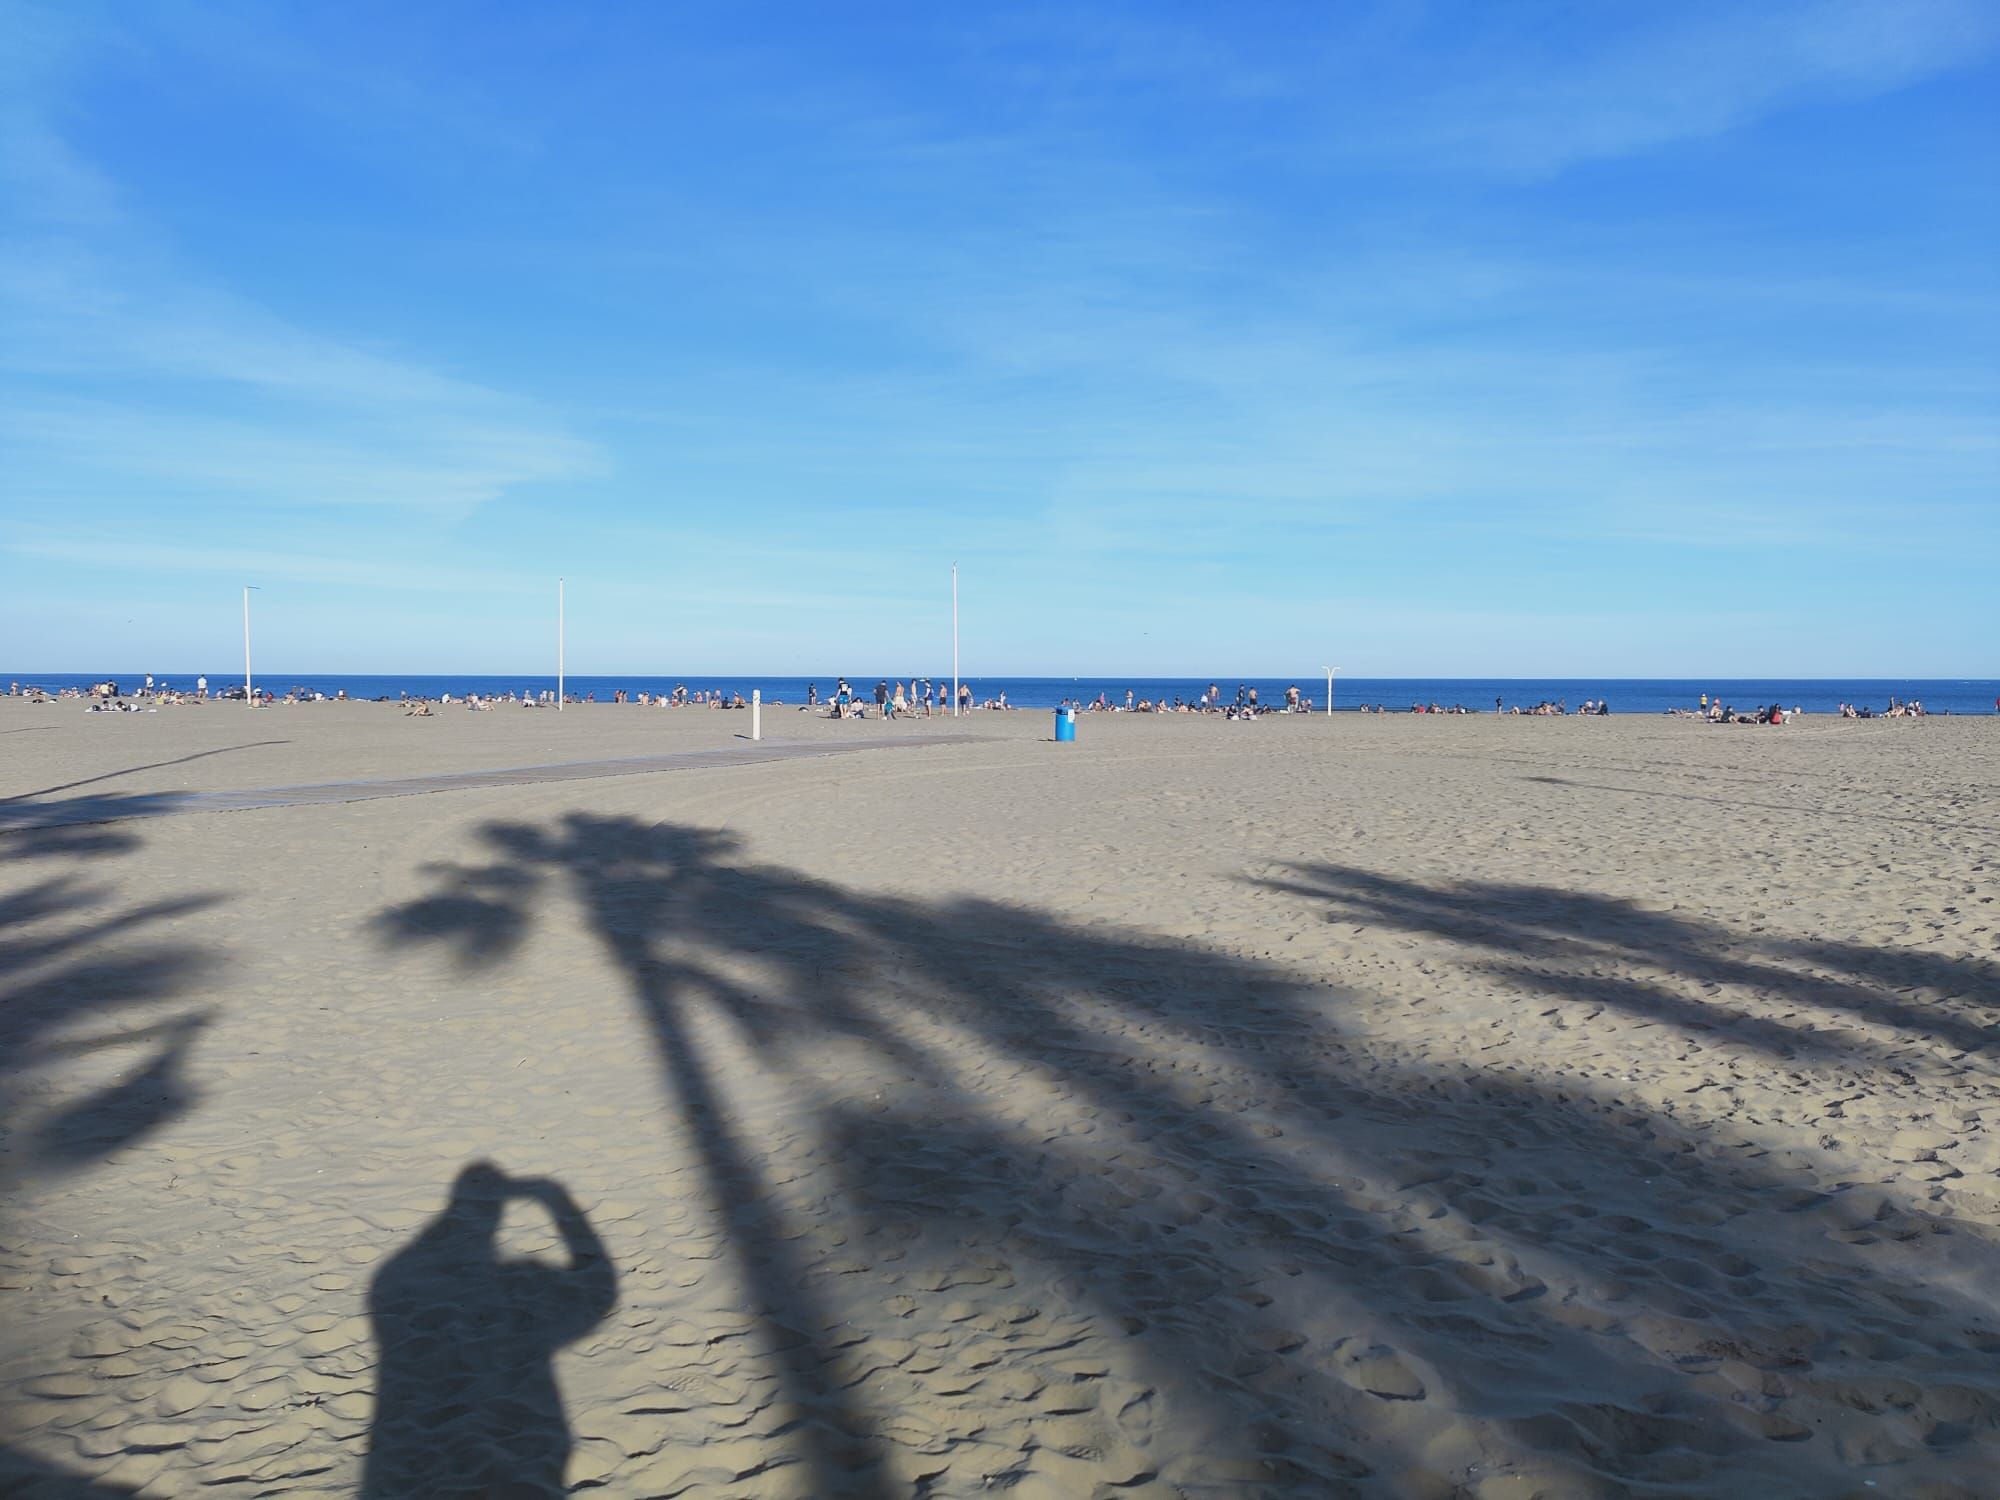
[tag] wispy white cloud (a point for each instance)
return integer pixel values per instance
(1530, 94)
(438, 460)
(190, 388)
(43, 177)
(1528, 87)
(126, 369)
(157, 554)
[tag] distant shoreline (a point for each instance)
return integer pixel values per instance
(1954, 696)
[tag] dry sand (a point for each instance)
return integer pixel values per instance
(1386, 1106)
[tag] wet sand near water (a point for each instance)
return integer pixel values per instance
(1396, 1106)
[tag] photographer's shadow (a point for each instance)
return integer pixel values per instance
(467, 1402)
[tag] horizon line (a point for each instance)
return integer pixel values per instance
(1064, 676)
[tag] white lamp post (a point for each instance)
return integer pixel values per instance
(1329, 690)
(248, 700)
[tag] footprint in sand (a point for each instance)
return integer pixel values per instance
(1378, 1370)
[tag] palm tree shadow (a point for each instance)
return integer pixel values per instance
(36, 1479)
(85, 982)
(49, 791)
(637, 891)
(66, 977)
(1326, 1268)
(149, 1097)
(1554, 939)
(466, 1400)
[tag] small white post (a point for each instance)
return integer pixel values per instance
(756, 713)
(1329, 690)
(559, 644)
(954, 640)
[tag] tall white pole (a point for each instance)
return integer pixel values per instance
(954, 640)
(1329, 690)
(559, 644)
(248, 700)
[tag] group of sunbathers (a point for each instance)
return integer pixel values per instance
(680, 697)
(1896, 710)
(1716, 712)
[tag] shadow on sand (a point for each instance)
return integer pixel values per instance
(154, 765)
(81, 979)
(466, 1399)
(1561, 942)
(1148, 1218)
(85, 983)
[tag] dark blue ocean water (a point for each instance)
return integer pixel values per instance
(1625, 695)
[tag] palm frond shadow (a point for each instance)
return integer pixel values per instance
(73, 968)
(1245, 1254)
(1550, 939)
(95, 1036)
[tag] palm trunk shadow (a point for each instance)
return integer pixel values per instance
(1430, 1254)
(832, 1433)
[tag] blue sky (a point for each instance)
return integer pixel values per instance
(1431, 339)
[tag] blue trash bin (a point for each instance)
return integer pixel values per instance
(1065, 724)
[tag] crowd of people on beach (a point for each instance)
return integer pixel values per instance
(1244, 705)
(920, 697)
(916, 697)
(107, 696)
(1548, 708)
(890, 699)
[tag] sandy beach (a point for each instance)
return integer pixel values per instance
(1397, 1107)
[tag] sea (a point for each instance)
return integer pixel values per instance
(1624, 695)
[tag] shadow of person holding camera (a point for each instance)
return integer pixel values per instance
(467, 1402)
